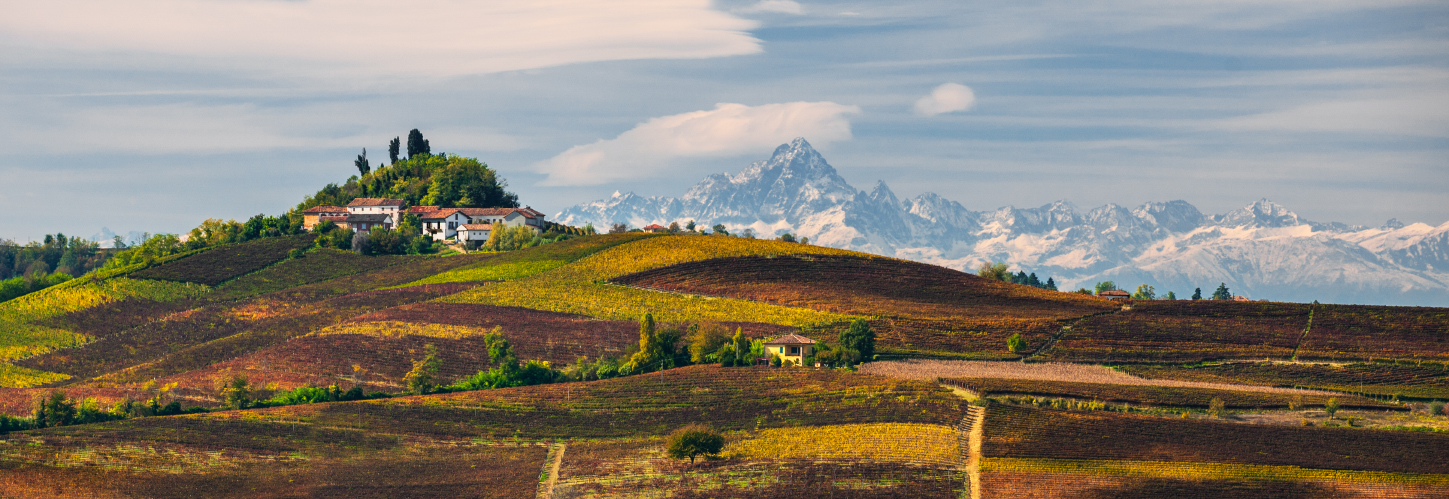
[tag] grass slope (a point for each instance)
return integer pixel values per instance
(219, 265)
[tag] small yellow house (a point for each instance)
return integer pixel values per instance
(791, 348)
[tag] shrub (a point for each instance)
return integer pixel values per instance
(860, 338)
(1216, 406)
(694, 440)
(1436, 408)
(1331, 407)
(420, 379)
(1015, 343)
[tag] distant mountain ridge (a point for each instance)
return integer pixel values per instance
(1262, 250)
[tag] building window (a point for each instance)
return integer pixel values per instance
(452, 225)
(794, 350)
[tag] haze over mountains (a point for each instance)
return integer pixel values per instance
(1262, 251)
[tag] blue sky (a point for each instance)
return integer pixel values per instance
(153, 115)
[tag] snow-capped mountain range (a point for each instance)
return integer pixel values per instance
(1262, 251)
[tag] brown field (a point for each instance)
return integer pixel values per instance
(1048, 371)
(1049, 485)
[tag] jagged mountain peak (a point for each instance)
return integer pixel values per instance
(1262, 213)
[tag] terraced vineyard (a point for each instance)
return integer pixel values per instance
(1186, 331)
(1358, 332)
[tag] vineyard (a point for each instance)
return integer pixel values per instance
(1143, 335)
(1359, 332)
(1157, 395)
(514, 265)
(1150, 424)
(1420, 380)
(215, 266)
(1020, 432)
(578, 288)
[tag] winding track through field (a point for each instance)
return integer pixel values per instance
(1047, 371)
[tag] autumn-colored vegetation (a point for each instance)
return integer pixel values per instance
(1411, 379)
(1361, 332)
(1021, 432)
(1155, 395)
(222, 264)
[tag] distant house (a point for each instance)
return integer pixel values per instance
(1115, 294)
(443, 224)
(367, 221)
(1242, 298)
(655, 228)
(474, 232)
(420, 210)
(375, 206)
(790, 348)
(316, 214)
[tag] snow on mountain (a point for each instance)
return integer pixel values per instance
(1263, 250)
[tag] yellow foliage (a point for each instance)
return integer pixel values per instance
(580, 287)
(21, 337)
(21, 377)
(396, 329)
(897, 442)
(501, 272)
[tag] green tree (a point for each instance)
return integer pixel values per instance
(996, 271)
(1050, 285)
(420, 380)
(1144, 292)
(1216, 406)
(363, 167)
(1106, 286)
(1015, 344)
(235, 393)
(694, 440)
(1331, 407)
(393, 149)
(651, 354)
(467, 183)
(1222, 292)
(417, 144)
(705, 340)
(719, 229)
(1197, 293)
(1170, 296)
(861, 338)
(56, 410)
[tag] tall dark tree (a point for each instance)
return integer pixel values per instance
(861, 338)
(1051, 284)
(417, 144)
(1222, 292)
(362, 165)
(1032, 280)
(1197, 293)
(393, 149)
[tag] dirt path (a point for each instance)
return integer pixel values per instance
(973, 455)
(553, 472)
(1047, 371)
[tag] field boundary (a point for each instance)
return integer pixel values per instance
(1304, 337)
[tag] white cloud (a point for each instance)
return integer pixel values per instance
(776, 6)
(726, 130)
(378, 37)
(947, 98)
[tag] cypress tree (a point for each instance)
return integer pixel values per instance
(416, 144)
(393, 148)
(362, 165)
(1222, 292)
(1197, 293)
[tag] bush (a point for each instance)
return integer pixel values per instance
(1331, 407)
(1216, 406)
(1436, 408)
(860, 338)
(694, 440)
(1015, 343)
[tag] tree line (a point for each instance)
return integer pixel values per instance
(420, 179)
(1148, 292)
(999, 271)
(38, 265)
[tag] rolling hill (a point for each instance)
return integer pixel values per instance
(180, 329)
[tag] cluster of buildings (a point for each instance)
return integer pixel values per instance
(460, 224)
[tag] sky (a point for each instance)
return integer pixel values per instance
(153, 115)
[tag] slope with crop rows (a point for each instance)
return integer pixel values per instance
(1358, 332)
(928, 310)
(1186, 331)
(1019, 432)
(522, 263)
(315, 266)
(1155, 395)
(580, 286)
(1422, 380)
(218, 265)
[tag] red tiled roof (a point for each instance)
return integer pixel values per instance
(439, 214)
(476, 227)
(654, 227)
(375, 202)
(324, 209)
(486, 212)
(1115, 292)
(791, 339)
(421, 209)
